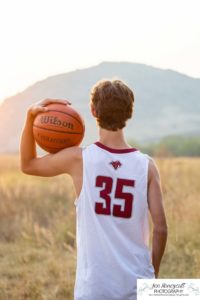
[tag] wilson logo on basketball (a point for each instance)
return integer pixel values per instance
(55, 121)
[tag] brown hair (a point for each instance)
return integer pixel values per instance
(113, 102)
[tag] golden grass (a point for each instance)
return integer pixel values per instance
(37, 229)
(180, 182)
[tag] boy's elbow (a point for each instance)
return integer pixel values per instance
(161, 229)
(26, 169)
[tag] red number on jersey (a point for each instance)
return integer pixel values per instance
(128, 199)
(107, 183)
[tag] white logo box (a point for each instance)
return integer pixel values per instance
(168, 289)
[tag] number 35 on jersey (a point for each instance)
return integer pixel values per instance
(106, 186)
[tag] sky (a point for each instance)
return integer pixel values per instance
(41, 38)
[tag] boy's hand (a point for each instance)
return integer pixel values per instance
(40, 106)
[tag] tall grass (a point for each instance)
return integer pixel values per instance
(37, 235)
(37, 229)
(181, 188)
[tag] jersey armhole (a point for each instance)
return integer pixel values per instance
(77, 200)
(148, 158)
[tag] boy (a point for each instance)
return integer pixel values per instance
(116, 185)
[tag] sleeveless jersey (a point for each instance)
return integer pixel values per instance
(112, 230)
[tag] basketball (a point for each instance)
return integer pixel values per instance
(58, 128)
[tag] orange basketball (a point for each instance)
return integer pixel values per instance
(58, 128)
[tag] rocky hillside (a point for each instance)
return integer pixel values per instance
(166, 102)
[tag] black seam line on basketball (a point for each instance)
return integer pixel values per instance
(59, 131)
(42, 145)
(49, 147)
(62, 112)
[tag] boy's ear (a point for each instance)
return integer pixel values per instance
(93, 111)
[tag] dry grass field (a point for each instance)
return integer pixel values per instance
(37, 229)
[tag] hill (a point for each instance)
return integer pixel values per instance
(166, 102)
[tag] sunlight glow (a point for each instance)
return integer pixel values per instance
(41, 38)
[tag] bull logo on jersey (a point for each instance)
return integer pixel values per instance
(116, 164)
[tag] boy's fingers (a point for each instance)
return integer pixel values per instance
(49, 101)
(39, 109)
(42, 105)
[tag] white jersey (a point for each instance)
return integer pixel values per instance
(112, 224)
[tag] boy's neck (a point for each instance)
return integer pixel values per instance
(113, 139)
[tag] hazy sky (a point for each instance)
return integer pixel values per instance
(40, 38)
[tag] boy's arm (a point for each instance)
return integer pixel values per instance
(50, 164)
(158, 216)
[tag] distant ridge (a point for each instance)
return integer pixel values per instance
(166, 102)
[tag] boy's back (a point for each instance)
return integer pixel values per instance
(112, 209)
(112, 224)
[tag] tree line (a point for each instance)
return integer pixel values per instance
(170, 146)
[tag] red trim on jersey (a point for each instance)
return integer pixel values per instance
(128, 150)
